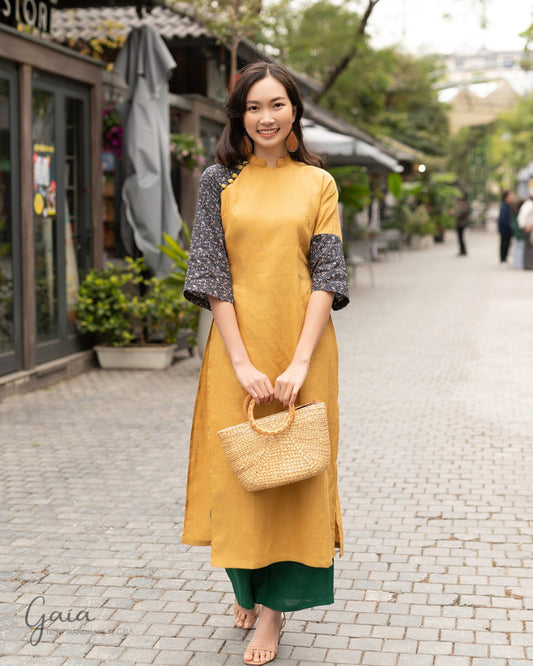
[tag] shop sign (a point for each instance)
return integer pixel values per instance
(35, 13)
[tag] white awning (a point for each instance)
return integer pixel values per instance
(344, 150)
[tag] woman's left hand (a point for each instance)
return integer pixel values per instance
(290, 382)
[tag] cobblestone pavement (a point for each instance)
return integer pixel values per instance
(436, 487)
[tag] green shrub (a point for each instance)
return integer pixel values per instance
(122, 305)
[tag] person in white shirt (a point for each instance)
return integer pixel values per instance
(525, 222)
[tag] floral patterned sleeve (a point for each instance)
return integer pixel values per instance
(208, 272)
(326, 256)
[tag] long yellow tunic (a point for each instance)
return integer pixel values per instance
(263, 238)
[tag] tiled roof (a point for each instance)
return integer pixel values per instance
(176, 23)
(86, 24)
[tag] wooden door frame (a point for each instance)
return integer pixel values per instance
(12, 360)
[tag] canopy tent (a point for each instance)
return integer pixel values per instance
(345, 150)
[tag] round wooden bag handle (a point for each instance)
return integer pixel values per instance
(249, 405)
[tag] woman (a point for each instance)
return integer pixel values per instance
(266, 258)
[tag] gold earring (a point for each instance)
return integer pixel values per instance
(246, 147)
(291, 142)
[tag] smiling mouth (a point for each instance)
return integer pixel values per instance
(269, 132)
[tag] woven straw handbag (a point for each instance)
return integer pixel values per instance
(282, 448)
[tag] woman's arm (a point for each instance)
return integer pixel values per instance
(317, 315)
(253, 381)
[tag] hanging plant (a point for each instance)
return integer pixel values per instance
(188, 151)
(112, 132)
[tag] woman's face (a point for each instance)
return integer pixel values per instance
(268, 117)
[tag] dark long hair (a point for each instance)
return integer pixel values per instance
(228, 150)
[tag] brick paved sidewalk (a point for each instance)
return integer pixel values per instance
(436, 470)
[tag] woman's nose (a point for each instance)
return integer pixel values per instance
(266, 116)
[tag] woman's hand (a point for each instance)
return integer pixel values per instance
(290, 382)
(254, 382)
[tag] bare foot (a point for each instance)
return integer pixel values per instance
(263, 647)
(245, 618)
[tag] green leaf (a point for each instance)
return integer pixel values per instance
(394, 183)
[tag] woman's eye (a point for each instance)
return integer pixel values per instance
(252, 108)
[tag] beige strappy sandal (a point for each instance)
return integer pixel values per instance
(251, 615)
(274, 652)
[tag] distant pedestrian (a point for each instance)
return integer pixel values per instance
(519, 243)
(506, 223)
(525, 222)
(461, 224)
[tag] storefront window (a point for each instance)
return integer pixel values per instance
(44, 215)
(7, 341)
(74, 248)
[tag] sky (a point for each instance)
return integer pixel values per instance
(421, 26)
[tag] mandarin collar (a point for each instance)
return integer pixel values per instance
(256, 161)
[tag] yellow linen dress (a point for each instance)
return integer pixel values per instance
(263, 239)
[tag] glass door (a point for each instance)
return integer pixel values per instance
(61, 209)
(44, 146)
(77, 204)
(10, 287)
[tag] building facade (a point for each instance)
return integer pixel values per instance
(50, 197)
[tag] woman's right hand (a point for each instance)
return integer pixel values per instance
(254, 382)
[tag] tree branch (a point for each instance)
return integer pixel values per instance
(343, 63)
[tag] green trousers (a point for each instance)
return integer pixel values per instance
(283, 586)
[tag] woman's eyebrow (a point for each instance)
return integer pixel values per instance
(276, 99)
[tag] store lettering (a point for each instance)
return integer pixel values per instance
(35, 13)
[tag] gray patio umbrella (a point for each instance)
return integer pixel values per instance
(145, 63)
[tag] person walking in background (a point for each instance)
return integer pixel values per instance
(506, 225)
(525, 222)
(519, 244)
(266, 258)
(461, 224)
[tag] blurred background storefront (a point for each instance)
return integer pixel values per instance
(50, 194)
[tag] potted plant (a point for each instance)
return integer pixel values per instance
(134, 317)
(424, 207)
(440, 194)
(420, 228)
